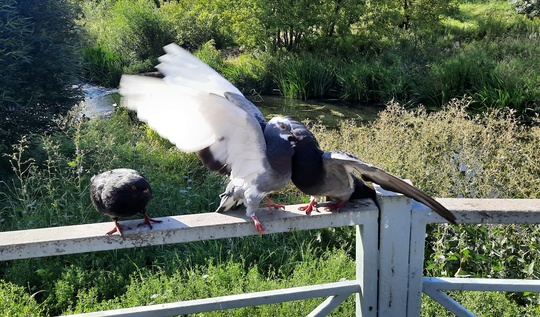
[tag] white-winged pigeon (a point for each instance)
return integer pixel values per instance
(197, 109)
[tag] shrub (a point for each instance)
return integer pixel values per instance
(16, 302)
(446, 153)
(305, 76)
(194, 23)
(131, 31)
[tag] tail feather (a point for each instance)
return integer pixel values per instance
(228, 203)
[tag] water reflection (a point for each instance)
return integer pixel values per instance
(329, 112)
(99, 101)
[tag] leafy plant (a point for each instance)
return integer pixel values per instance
(102, 66)
(305, 77)
(16, 302)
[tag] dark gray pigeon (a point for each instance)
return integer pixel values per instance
(331, 174)
(200, 111)
(120, 193)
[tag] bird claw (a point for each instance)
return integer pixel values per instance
(335, 206)
(117, 228)
(309, 207)
(148, 221)
(270, 204)
(258, 225)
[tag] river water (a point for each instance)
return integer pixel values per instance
(100, 102)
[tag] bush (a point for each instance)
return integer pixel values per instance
(305, 76)
(194, 23)
(446, 153)
(16, 302)
(102, 66)
(493, 77)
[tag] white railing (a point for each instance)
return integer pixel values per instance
(390, 252)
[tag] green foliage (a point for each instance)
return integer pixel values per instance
(481, 304)
(251, 73)
(374, 79)
(38, 46)
(125, 36)
(16, 302)
(447, 153)
(146, 287)
(494, 77)
(102, 66)
(413, 51)
(195, 23)
(453, 154)
(305, 77)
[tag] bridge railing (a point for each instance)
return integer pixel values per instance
(389, 258)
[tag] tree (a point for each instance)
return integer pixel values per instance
(38, 58)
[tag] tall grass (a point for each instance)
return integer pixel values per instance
(102, 66)
(484, 50)
(305, 76)
(495, 78)
(50, 188)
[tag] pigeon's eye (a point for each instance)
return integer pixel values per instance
(134, 187)
(283, 126)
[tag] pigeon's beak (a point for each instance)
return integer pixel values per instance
(147, 192)
(293, 138)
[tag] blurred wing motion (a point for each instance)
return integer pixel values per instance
(198, 110)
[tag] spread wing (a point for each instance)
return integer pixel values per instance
(189, 107)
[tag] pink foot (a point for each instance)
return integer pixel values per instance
(148, 221)
(309, 207)
(117, 227)
(258, 225)
(335, 206)
(270, 204)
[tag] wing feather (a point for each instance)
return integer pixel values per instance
(198, 110)
(388, 181)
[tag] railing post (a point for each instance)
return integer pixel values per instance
(367, 258)
(416, 257)
(394, 244)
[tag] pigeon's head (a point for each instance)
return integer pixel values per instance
(282, 127)
(139, 190)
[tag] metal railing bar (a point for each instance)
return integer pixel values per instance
(344, 289)
(328, 305)
(449, 303)
(480, 284)
(54, 241)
